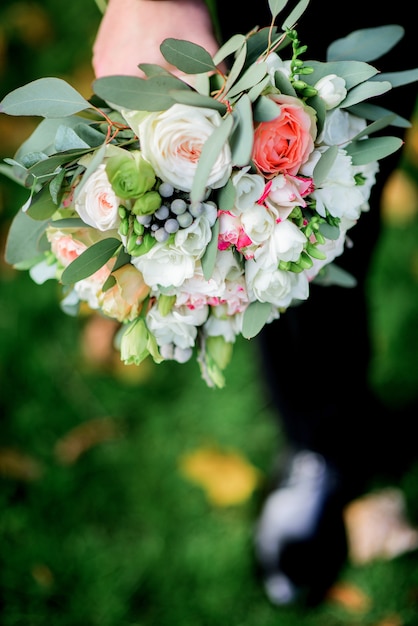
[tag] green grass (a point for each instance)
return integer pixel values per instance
(121, 537)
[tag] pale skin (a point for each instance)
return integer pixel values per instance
(131, 32)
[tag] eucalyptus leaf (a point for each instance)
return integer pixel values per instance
(192, 98)
(242, 136)
(90, 135)
(255, 317)
(46, 97)
(226, 196)
(10, 172)
(229, 47)
(202, 84)
(366, 44)
(373, 112)
(42, 205)
(266, 109)
(251, 77)
(209, 258)
(55, 186)
(258, 89)
(50, 166)
(23, 239)
(235, 70)
(67, 139)
(318, 105)
(364, 91)
(353, 72)
(276, 6)
(283, 84)
(383, 122)
(68, 222)
(42, 138)
(139, 94)
(188, 57)
(332, 274)
(90, 261)
(152, 69)
(397, 79)
(293, 18)
(210, 152)
(329, 231)
(324, 165)
(368, 150)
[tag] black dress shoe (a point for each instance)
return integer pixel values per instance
(300, 539)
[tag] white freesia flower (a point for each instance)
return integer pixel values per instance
(285, 244)
(248, 189)
(227, 327)
(331, 88)
(179, 327)
(340, 127)
(97, 203)
(164, 265)
(286, 193)
(276, 64)
(258, 222)
(192, 241)
(172, 142)
(278, 287)
(338, 193)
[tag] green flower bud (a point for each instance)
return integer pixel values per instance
(138, 343)
(305, 261)
(148, 241)
(313, 251)
(130, 177)
(124, 228)
(138, 228)
(147, 204)
(165, 304)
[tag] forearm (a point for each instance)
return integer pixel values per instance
(131, 32)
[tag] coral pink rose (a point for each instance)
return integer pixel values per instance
(283, 144)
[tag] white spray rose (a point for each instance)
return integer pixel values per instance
(97, 203)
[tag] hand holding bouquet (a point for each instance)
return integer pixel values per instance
(194, 212)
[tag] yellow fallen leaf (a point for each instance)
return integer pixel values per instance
(349, 596)
(20, 466)
(399, 199)
(226, 477)
(85, 436)
(377, 527)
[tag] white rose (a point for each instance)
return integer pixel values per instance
(275, 286)
(97, 203)
(172, 142)
(331, 88)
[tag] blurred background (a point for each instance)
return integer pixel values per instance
(128, 495)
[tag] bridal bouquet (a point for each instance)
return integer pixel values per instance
(193, 212)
